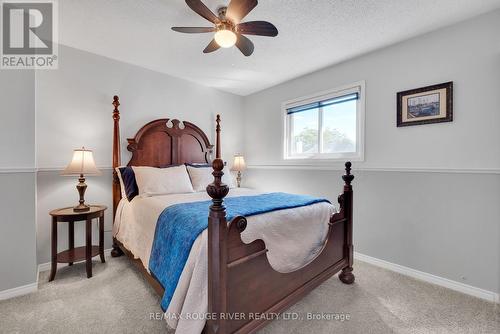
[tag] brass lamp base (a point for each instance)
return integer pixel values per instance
(81, 187)
(238, 179)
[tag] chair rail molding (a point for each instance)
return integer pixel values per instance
(61, 168)
(377, 169)
(15, 170)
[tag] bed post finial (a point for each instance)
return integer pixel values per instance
(217, 141)
(348, 177)
(217, 190)
(116, 104)
(116, 142)
(346, 276)
(217, 245)
(116, 163)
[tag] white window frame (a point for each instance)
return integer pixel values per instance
(359, 155)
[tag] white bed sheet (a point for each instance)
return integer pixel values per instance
(293, 237)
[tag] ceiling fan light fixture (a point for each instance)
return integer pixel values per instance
(225, 38)
(227, 25)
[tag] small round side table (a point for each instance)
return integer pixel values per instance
(86, 252)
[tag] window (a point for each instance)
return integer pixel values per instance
(328, 126)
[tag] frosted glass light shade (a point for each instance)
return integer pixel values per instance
(82, 163)
(239, 163)
(225, 38)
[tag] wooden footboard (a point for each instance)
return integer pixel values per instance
(244, 290)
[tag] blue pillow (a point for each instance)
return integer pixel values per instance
(128, 177)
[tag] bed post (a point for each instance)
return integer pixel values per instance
(346, 276)
(217, 246)
(116, 163)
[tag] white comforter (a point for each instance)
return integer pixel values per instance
(293, 237)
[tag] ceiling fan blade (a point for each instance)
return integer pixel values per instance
(238, 9)
(202, 10)
(193, 30)
(261, 28)
(213, 46)
(245, 45)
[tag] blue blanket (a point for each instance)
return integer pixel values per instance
(179, 225)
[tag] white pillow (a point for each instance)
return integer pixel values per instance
(201, 177)
(162, 181)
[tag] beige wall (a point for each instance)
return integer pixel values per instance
(17, 179)
(446, 223)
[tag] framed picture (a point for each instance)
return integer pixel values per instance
(432, 104)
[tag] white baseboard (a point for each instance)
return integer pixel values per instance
(426, 277)
(29, 288)
(19, 291)
(46, 266)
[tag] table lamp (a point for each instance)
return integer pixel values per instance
(82, 164)
(239, 166)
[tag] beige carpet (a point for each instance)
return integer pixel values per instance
(118, 300)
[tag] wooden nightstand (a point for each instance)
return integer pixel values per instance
(86, 252)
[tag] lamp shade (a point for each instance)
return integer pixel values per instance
(82, 164)
(239, 163)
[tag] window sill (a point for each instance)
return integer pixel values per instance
(319, 164)
(318, 167)
(321, 161)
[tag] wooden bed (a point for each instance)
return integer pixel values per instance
(240, 278)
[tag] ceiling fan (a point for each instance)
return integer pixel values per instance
(228, 28)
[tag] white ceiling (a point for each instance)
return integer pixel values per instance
(312, 34)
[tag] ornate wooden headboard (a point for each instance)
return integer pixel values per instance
(158, 145)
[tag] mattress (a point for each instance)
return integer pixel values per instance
(293, 237)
